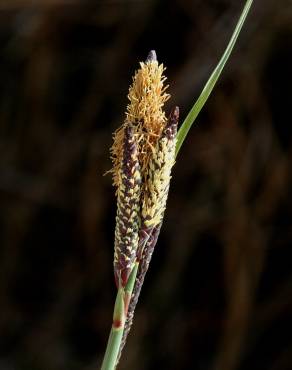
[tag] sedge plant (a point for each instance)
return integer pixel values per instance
(143, 153)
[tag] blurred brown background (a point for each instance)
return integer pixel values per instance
(218, 293)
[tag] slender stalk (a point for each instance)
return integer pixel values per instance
(119, 319)
(116, 333)
(130, 286)
(112, 349)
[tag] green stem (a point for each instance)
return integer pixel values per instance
(130, 286)
(119, 318)
(112, 349)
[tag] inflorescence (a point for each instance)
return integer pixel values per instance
(143, 154)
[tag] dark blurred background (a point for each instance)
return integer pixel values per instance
(218, 292)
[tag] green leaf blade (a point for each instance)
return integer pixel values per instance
(193, 113)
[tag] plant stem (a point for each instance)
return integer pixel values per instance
(112, 349)
(119, 318)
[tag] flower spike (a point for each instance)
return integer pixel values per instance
(128, 207)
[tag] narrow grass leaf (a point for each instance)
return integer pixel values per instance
(193, 113)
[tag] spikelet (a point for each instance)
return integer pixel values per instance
(159, 174)
(147, 96)
(128, 209)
